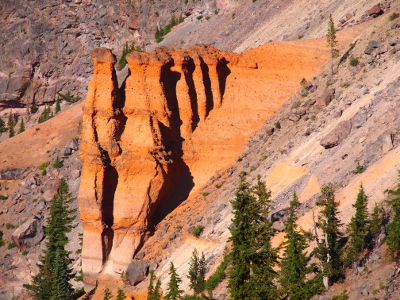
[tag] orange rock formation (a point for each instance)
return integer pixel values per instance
(179, 116)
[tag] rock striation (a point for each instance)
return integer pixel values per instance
(177, 117)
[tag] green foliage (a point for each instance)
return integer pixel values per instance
(69, 98)
(58, 163)
(376, 221)
(11, 125)
(278, 125)
(328, 250)
(10, 226)
(21, 126)
(2, 197)
(393, 16)
(52, 281)
(43, 167)
(357, 228)
(343, 296)
(219, 274)
(199, 17)
(107, 294)
(121, 295)
(393, 229)
(303, 81)
(359, 169)
(293, 265)
(353, 61)
(160, 33)
(191, 297)
(3, 127)
(252, 274)
(25, 252)
(125, 51)
(198, 230)
(45, 115)
(11, 245)
(331, 40)
(34, 108)
(153, 293)
(1, 239)
(197, 272)
(58, 106)
(174, 293)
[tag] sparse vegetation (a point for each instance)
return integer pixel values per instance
(197, 231)
(353, 61)
(11, 125)
(393, 16)
(1, 239)
(58, 163)
(278, 125)
(125, 51)
(69, 98)
(43, 167)
(10, 226)
(11, 245)
(45, 115)
(2, 197)
(331, 40)
(199, 17)
(160, 33)
(359, 168)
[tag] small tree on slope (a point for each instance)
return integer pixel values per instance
(293, 264)
(331, 40)
(357, 228)
(251, 275)
(174, 293)
(197, 272)
(393, 229)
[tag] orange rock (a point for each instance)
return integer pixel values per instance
(179, 116)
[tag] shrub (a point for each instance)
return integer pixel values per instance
(11, 245)
(43, 167)
(159, 36)
(218, 275)
(10, 226)
(359, 168)
(303, 81)
(46, 115)
(34, 108)
(2, 197)
(198, 230)
(58, 163)
(1, 239)
(69, 98)
(278, 125)
(25, 252)
(393, 16)
(127, 49)
(353, 61)
(199, 17)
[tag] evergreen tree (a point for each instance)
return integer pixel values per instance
(174, 293)
(21, 126)
(197, 272)
(393, 229)
(150, 288)
(357, 228)
(121, 295)
(107, 294)
(328, 250)
(157, 292)
(58, 105)
(3, 127)
(251, 275)
(331, 40)
(54, 272)
(11, 125)
(376, 221)
(293, 266)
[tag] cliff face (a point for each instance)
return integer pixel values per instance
(178, 117)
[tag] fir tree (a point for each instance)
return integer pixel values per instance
(294, 260)
(3, 127)
(174, 293)
(107, 294)
(54, 272)
(11, 125)
(157, 292)
(153, 293)
(58, 106)
(376, 221)
(331, 40)
(21, 126)
(121, 295)
(357, 228)
(197, 272)
(328, 250)
(393, 229)
(252, 257)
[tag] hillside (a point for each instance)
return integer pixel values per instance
(325, 130)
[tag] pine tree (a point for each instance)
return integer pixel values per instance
(376, 221)
(293, 265)
(54, 260)
(357, 228)
(107, 294)
(3, 127)
(174, 293)
(11, 125)
(197, 272)
(121, 295)
(393, 229)
(157, 293)
(58, 106)
(331, 40)
(328, 250)
(21, 126)
(150, 288)
(252, 257)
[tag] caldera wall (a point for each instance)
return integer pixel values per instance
(179, 116)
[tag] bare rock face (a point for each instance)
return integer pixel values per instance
(336, 136)
(28, 234)
(176, 118)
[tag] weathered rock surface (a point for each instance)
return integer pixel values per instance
(336, 136)
(28, 234)
(137, 271)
